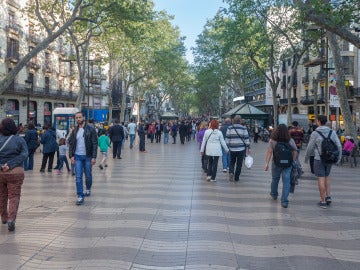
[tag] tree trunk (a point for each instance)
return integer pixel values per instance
(340, 86)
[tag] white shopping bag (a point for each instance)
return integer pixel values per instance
(249, 162)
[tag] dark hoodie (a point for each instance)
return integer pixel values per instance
(48, 139)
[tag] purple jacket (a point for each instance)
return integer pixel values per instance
(200, 136)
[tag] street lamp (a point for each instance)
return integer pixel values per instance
(29, 87)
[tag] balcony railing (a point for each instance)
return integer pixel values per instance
(310, 100)
(284, 101)
(21, 90)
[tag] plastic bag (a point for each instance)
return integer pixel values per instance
(249, 161)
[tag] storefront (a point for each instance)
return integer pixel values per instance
(12, 110)
(47, 113)
(32, 112)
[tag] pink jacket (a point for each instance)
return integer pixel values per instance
(348, 146)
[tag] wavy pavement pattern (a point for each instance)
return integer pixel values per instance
(155, 211)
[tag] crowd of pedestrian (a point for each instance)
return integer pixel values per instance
(231, 141)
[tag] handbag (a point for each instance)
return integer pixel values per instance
(249, 161)
(6, 142)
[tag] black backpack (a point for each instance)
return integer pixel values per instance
(329, 150)
(283, 154)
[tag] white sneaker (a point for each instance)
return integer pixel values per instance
(80, 200)
(225, 170)
(208, 178)
(212, 180)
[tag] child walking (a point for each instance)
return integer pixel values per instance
(104, 144)
(62, 155)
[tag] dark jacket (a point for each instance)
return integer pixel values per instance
(183, 130)
(91, 141)
(116, 133)
(224, 128)
(48, 139)
(32, 139)
(141, 130)
(14, 153)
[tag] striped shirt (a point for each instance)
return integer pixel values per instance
(237, 138)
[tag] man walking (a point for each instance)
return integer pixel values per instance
(159, 127)
(238, 140)
(83, 144)
(321, 168)
(297, 134)
(116, 135)
(132, 132)
(142, 133)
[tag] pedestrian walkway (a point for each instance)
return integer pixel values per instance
(156, 211)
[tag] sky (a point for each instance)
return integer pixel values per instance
(190, 16)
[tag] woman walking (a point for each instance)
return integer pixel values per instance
(281, 137)
(199, 137)
(32, 142)
(211, 147)
(13, 152)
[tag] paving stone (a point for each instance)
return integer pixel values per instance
(154, 211)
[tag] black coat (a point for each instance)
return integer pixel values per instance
(116, 133)
(32, 139)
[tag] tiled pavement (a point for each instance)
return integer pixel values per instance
(155, 211)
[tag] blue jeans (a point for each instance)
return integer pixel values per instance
(166, 138)
(29, 161)
(225, 159)
(62, 159)
(276, 172)
(83, 165)
(132, 139)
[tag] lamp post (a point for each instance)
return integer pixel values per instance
(29, 86)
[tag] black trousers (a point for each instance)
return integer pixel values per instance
(47, 156)
(142, 143)
(212, 166)
(117, 149)
(236, 160)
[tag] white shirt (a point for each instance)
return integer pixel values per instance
(80, 143)
(132, 128)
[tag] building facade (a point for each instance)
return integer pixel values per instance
(49, 79)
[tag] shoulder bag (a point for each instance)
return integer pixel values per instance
(207, 141)
(6, 142)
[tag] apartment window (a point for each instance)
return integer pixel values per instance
(345, 46)
(348, 62)
(31, 29)
(61, 85)
(13, 48)
(47, 84)
(11, 18)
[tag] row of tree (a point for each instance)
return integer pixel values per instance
(249, 38)
(141, 47)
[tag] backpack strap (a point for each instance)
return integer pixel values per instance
(322, 135)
